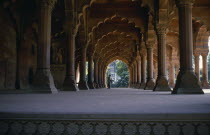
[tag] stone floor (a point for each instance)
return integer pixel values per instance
(123, 103)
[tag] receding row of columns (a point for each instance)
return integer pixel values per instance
(186, 83)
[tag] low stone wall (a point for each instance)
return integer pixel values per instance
(100, 127)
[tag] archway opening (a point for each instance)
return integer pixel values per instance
(118, 73)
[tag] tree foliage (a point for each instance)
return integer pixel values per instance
(122, 72)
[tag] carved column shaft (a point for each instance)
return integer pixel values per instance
(70, 79)
(82, 83)
(143, 71)
(197, 67)
(187, 82)
(139, 70)
(150, 81)
(150, 63)
(172, 75)
(43, 80)
(161, 82)
(205, 83)
(90, 72)
(96, 73)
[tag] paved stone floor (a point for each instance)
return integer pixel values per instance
(107, 103)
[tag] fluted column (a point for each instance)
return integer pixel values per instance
(96, 74)
(143, 71)
(205, 83)
(138, 59)
(90, 72)
(161, 82)
(70, 79)
(130, 77)
(187, 82)
(43, 81)
(99, 76)
(171, 75)
(197, 67)
(150, 81)
(83, 83)
(135, 73)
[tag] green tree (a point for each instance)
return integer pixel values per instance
(122, 72)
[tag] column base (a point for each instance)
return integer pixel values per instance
(69, 84)
(143, 85)
(133, 85)
(138, 85)
(162, 84)
(187, 83)
(91, 85)
(83, 85)
(96, 85)
(43, 82)
(150, 84)
(172, 85)
(205, 84)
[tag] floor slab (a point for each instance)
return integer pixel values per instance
(121, 103)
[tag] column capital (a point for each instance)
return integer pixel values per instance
(161, 28)
(181, 3)
(47, 3)
(138, 58)
(150, 45)
(204, 54)
(197, 54)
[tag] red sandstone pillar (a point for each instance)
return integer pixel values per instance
(205, 83)
(43, 81)
(96, 73)
(138, 72)
(171, 75)
(82, 83)
(187, 82)
(161, 82)
(90, 72)
(143, 71)
(69, 82)
(150, 81)
(197, 67)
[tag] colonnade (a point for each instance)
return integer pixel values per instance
(186, 83)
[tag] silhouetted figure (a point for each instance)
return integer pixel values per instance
(109, 80)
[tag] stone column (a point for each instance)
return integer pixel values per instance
(150, 81)
(155, 70)
(171, 75)
(102, 76)
(205, 83)
(187, 82)
(99, 76)
(143, 71)
(70, 82)
(130, 77)
(161, 82)
(197, 67)
(43, 81)
(138, 72)
(82, 83)
(90, 72)
(134, 76)
(96, 74)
